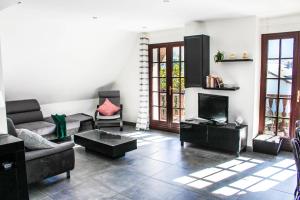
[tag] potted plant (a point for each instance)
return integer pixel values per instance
(219, 56)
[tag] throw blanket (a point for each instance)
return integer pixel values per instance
(60, 122)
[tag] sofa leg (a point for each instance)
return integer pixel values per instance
(68, 174)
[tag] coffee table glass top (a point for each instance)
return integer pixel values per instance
(105, 137)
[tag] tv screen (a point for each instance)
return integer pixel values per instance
(213, 107)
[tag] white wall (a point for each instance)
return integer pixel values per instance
(280, 24)
(61, 62)
(233, 35)
(128, 83)
(6, 3)
(3, 126)
(170, 35)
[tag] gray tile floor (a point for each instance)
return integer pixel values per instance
(161, 169)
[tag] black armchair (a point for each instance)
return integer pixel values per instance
(115, 120)
(296, 152)
(297, 123)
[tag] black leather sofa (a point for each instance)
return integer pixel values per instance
(27, 114)
(41, 164)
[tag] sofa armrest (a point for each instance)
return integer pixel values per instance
(31, 155)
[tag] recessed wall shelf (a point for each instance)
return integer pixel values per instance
(223, 88)
(236, 60)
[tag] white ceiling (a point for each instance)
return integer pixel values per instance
(6, 3)
(153, 14)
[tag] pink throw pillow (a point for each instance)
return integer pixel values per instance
(108, 108)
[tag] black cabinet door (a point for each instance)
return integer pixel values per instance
(196, 60)
(193, 133)
(8, 185)
(13, 177)
(223, 138)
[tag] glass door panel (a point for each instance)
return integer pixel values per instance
(177, 84)
(279, 86)
(279, 81)
(166, 63)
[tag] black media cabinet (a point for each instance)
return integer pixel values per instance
(223, 137)
(13, 178)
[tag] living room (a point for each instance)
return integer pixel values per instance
(64, 60)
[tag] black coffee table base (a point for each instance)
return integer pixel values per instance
(110, 152)
(115, 148)
(106, 154)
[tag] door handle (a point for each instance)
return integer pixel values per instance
(298, 96)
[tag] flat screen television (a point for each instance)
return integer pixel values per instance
(213, 107)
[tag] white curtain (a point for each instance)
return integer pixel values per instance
(143, 114)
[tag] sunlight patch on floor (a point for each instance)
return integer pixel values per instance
(199, 184)
(261, 180)
(226, 191)
(245, 182)
(147, 138)
(184, 180)
(220, 176)
(205, 172)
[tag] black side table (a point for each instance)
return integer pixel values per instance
(268, 144)
(13, 178)
(86, 121)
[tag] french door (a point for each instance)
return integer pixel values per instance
(166, 75)
(280, 81)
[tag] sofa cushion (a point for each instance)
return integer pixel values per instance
(109, 117)
(42, 128)
(108, 108)
(34, 141)
(46, 152)
(20, 106)
(25, 117)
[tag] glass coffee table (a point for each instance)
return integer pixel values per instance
(105, 143)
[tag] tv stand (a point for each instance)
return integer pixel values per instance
(227, 137)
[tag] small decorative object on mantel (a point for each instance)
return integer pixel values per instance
(238, 121)
(232, 56)
(213, 81)
(219, 56)
(245, 55)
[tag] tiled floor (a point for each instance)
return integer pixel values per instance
(161, 169)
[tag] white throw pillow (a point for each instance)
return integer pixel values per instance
(34, 141)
